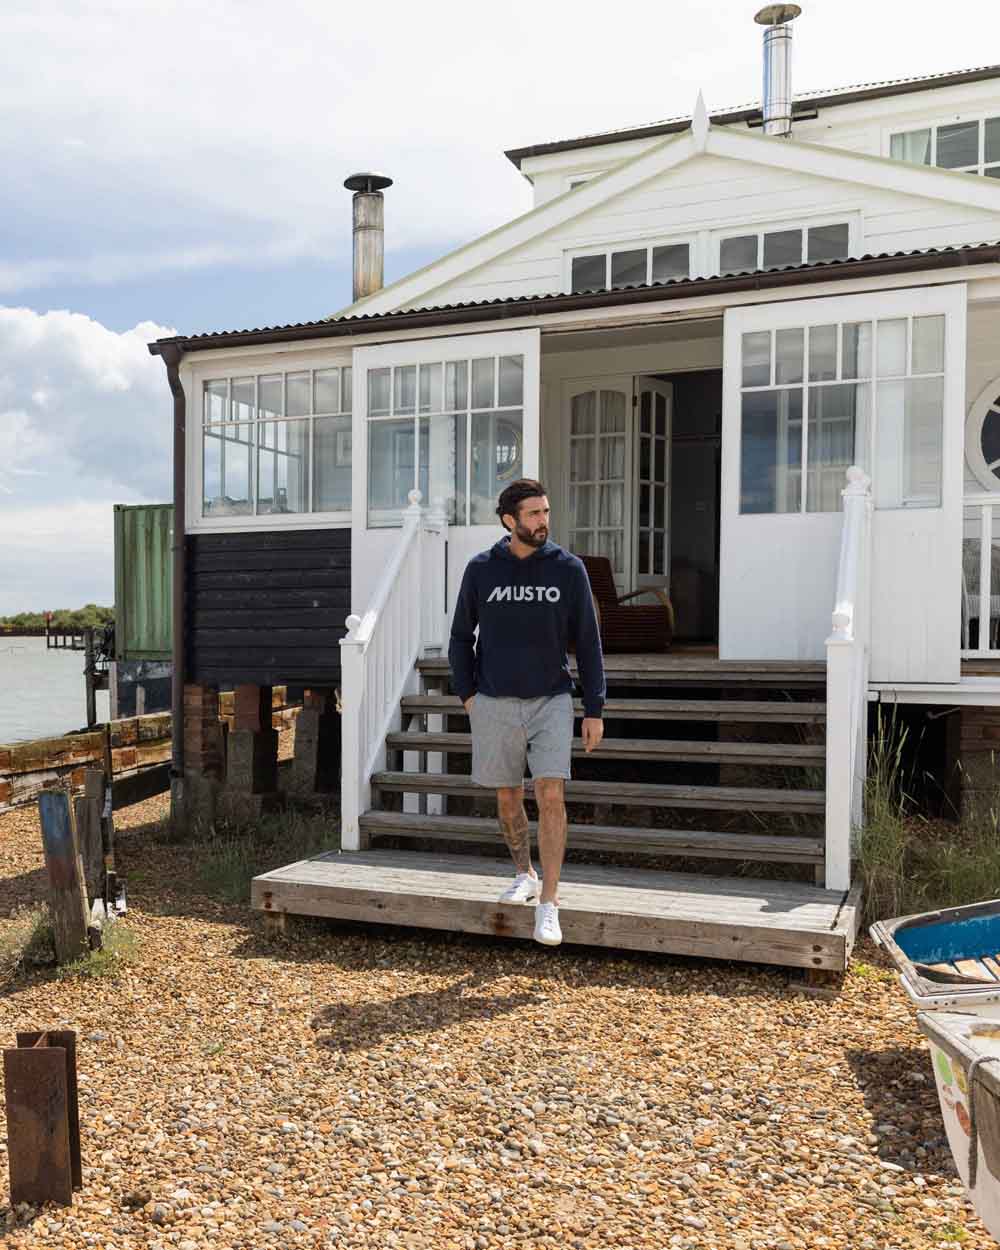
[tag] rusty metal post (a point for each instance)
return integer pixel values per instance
(43, 1118)
(89, 668)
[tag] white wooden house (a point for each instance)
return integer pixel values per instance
(755, 357)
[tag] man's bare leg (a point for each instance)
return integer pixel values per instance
(514, 826)
(550, 797)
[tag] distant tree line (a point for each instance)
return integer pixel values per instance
(64, 620)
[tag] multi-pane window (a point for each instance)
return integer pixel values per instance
(451, 429)
(817, 399)
(275, 443)
(608, 270)
(772, 249)
(970, 146)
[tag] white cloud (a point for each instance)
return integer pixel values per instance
(85, 423)
(143, 149)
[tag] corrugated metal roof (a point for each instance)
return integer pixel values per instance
(519, 305)
(748, 112)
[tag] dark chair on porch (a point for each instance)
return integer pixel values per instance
(628, 627)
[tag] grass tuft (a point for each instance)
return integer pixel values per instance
(27, 943)
(120, 949)
(907, 863)
(232, 855)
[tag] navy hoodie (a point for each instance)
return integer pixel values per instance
(528, 612)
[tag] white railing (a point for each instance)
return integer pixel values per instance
(983, 607)
(847, 656)
(405, 618)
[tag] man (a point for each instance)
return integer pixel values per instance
(529, 600)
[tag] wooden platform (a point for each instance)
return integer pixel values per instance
(773, 922)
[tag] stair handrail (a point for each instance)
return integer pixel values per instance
(405, 615)
(847, 662)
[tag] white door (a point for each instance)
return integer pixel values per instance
(455, 418)
(811, 387)
(652, 406)
(619, 476)
(601, 456)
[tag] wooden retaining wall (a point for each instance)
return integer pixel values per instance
(135, 744)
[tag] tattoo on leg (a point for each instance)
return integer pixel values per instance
(516, 834)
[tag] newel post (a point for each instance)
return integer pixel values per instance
(434, 578)
(352, 685)
(847, 682)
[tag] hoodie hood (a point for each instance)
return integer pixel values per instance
(502, 551)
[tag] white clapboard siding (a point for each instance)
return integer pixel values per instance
(711, 194)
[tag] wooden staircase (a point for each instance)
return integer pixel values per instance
(704, 766)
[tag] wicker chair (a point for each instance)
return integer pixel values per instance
(628, 627)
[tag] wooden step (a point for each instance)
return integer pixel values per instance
(613, 839)
(713, 798)
(776, 922)
(778, 754)
(666, 670)
(736, 711)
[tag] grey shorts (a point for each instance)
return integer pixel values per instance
(509, 733)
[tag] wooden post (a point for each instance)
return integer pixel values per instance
(43, 1119)
(67, 895)
(88, 669)
(89, 831)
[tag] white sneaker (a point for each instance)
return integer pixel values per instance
(547, 929)
(525, 889)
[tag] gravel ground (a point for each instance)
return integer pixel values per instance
(378, 1088)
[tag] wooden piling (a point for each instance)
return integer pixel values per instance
(67, 892)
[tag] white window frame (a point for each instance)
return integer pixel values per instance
(194, 377)
(851, 219)
(526, 343)
(955, 119)
(631, 245)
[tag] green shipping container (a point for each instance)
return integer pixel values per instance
(144, 536)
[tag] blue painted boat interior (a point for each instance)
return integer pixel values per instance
(943, 941)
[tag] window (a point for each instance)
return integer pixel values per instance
(635, 266)
(969, 146)
(817, 399)
(451, 429)
(277, 443)
(773, 249)
(982, 438)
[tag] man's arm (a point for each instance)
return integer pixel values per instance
(589, 661)
(461, 653)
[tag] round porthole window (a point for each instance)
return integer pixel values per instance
(982, 437)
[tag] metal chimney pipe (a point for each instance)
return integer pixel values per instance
(776, 103)
(369, 231)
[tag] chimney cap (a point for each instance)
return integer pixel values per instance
(367, 182)
(777, 14)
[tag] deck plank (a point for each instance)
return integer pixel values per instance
(776, 922)
(751, 711)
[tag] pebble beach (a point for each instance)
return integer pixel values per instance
(387, 1088)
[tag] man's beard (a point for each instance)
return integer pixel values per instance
(537, 539)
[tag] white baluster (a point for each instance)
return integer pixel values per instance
(353, 736)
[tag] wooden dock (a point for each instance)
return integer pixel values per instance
(772, 922)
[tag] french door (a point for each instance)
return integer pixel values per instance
(619, 476)
(810, 388)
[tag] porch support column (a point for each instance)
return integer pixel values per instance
(203, 759)
(316, 762)
(979, 760)
(252, 755)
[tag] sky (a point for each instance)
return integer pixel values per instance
(178, 166)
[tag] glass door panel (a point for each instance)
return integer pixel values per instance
(652, 481)
(600, 478)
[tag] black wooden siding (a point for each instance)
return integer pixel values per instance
(267, 608)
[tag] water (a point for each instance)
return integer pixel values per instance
(42, 692)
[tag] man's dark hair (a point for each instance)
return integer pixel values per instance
(512, 496)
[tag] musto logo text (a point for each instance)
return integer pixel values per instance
(524, 594)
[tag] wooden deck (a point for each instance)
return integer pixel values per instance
(772, 922)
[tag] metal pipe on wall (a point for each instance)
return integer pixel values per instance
(776, 101)
(172, 358)
(369, 231)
